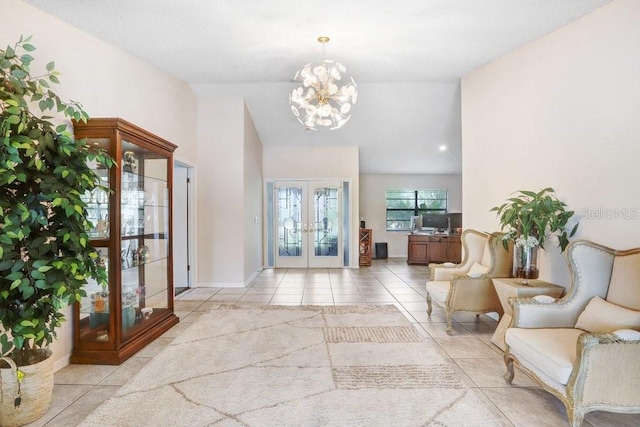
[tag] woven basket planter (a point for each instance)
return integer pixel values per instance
(34, 390)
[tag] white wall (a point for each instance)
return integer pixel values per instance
(318, 163)
(373, 203)
(252, 199)
(562, 112)
(109, 83)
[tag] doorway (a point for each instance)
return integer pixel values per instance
(308, 224)
(183, 245)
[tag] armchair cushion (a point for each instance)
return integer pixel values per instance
(600, 316)
(552, 350)
(477, 270)
(439, 290)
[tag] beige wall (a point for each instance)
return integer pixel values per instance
(562, 112)
(229, 193)
(109, 83)
(373, 207)
(220, 192)
(252, 199)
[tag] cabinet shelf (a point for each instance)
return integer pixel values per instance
(156, 236)
(132, 223)
(143, 263)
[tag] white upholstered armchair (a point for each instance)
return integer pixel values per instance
(585, 347)
(467, 286)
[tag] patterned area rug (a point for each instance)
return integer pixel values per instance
(297, 366)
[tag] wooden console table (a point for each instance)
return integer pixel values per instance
(514, 288)
(428, 248)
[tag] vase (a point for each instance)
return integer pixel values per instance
(128, 317)
(525, 262)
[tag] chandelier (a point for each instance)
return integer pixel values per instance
(321, 101)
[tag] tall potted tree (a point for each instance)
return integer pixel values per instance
(44, 242)
(529, 219)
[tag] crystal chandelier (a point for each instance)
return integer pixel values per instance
(320, 101)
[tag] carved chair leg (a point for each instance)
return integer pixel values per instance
(429, 307)
(508, 376)
(449, 320)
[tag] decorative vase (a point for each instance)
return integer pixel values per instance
(526, 262)
(128, 317)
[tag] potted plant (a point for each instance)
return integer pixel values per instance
(530, 219)
(44, 243)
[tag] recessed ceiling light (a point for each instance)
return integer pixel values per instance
(442, 147)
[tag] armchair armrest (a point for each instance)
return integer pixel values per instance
(606, 370)
(532, 313)
(474, 294)
(442, 272)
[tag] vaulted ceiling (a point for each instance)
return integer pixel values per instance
(406, 56)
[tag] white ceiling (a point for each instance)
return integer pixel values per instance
(406, 56)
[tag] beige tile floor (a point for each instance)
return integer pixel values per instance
(79, 389)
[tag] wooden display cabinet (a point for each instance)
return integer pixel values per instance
(132, 233)
(365, 246)
(425, 249)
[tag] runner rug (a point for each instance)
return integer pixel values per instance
(297, 366)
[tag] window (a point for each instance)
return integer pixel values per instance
(403, 204)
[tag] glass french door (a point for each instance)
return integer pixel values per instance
(308, 226)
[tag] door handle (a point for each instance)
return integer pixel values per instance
(311, 230)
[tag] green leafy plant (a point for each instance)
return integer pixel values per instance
(530, 215)
(44, 242)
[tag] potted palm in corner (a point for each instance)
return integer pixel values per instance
(44, 243)
(529, 219)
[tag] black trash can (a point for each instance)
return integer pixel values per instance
(381, 250)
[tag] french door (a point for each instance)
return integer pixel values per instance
(308, 224)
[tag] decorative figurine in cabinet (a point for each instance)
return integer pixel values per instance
(132, 233)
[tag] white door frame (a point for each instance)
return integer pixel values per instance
(189, 227)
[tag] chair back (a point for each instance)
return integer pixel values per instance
(500, 259)
(590, 265)
(624, 286)
(473, 245)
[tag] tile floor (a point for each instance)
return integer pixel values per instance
(79, 389)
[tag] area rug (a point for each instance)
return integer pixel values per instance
(297, 366)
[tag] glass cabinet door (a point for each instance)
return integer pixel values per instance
(94, 324)
(95, 309)
(97, 200)
(144, 239)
